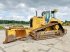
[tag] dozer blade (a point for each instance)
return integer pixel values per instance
(14, 34)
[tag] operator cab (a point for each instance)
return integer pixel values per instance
(48, 15)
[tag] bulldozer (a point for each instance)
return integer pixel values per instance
(41, 28)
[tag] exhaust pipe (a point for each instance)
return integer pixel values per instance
(36, 13)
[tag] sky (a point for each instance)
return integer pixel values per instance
(23, 10)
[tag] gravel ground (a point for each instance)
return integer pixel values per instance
(61, 44)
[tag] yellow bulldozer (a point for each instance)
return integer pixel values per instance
(41, 28)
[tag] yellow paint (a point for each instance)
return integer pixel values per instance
(11, 32)
(54, 19)
(38, 22)
(56, 27)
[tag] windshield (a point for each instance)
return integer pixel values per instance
(47, 15)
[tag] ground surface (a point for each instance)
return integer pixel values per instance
(61, 44)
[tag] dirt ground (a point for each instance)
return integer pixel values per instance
(61, 44)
